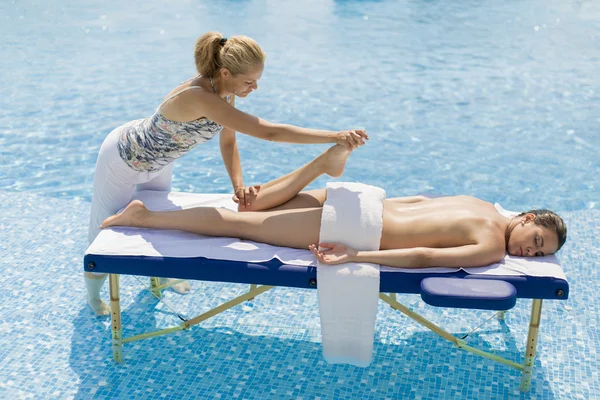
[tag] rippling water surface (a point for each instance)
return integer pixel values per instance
(494, 99)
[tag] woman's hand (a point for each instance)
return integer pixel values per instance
(333, 253)
(245, 195)
(352, 139)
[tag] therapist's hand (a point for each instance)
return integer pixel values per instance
(333, 253)
(352, 139)
(245, 195)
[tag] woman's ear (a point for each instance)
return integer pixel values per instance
(529, 217)
(225, 73)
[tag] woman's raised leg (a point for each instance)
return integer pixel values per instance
(297, 228)
(281, 191)
(302, 211)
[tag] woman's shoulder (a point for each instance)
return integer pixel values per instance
(185, 91)
(184, 103)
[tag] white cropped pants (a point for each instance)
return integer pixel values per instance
(115, 182)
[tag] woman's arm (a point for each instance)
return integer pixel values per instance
(471, 255)
(215, 109)
(231, 155)
(231, 158)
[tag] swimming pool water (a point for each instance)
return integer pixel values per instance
(495, 99)
(498, 100)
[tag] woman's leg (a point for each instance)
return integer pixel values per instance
(305, 199)
(111, 193)
(163, 182)
(281, 191)
(297, 228)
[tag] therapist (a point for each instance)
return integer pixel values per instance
(139, 155)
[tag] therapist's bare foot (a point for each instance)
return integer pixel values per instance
(335, 160)
(99, 307)
(131, 216)
(181, 287)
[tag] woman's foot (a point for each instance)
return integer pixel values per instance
(335, 160)
(93, 284)
(182, 287)
(99, 307)
(131, 216)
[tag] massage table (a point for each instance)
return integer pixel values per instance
(176, 254)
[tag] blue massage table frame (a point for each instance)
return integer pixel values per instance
(266, 275)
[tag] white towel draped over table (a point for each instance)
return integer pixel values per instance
(348, 293)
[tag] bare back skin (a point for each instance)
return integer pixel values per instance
(441, 222)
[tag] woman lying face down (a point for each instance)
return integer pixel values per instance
(454, 231)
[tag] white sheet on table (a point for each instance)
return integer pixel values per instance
(128, 241)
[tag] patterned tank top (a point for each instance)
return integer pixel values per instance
(149, 144)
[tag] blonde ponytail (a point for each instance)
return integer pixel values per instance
(238, 54)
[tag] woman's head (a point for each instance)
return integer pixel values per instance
(238, 60)
(536, 233)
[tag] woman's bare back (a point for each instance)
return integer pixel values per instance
(440, 222)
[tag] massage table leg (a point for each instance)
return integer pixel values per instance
(155, 284)
(530, 349)
(115, 314)
(115, 308)
(252, 287)
(459, 342)
(225, 306)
